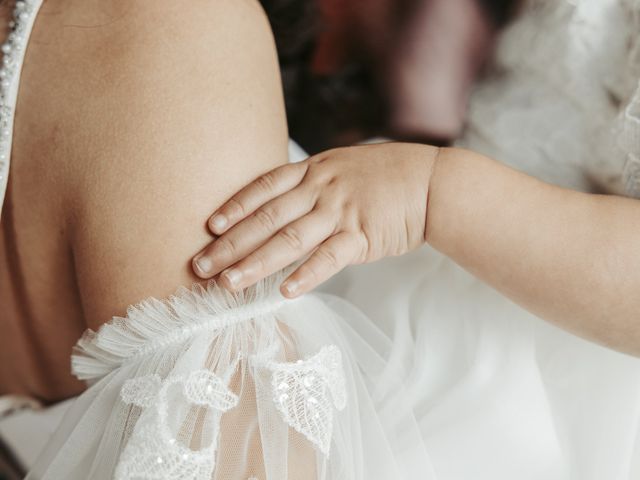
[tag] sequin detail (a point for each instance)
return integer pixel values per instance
(156, 450)
(307, 391)
(12, 57)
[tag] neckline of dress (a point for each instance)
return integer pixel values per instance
(13, 52)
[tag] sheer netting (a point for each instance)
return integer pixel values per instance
(209, 385)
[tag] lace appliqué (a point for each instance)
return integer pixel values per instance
(206, 389)
(305, 393)
(156, 450)
(141, 391)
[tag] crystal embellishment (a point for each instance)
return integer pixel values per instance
(12, 56)
(306, 393)
(156, 449)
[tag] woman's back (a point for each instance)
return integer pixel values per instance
(42, 317)
(124, 130)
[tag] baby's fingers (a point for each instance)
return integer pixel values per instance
(250, 233)
(331, 256)
(290, 244)
(257, 193)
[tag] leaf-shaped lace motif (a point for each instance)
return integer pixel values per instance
(155, 450)
(150, 455)
(141, 391)
(307, 391)
(204, 388)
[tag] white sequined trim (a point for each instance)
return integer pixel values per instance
(13, 51)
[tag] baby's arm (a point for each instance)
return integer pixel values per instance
(569, 257)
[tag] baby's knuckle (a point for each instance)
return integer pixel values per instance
(267, 182)
(332, 181)
(362, 239)
(297, 169)
(318, 158)
(267, 217)
(317, 174)
(259, 263)
(225, 247)
(330, 257)
(310, 271)
(349, 205)
(292, 237)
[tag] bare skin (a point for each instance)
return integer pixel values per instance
(130, 129)
(345, 206)
(569, 257)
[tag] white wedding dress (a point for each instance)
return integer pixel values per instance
(441, 378)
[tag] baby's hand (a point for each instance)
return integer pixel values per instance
(344, 206)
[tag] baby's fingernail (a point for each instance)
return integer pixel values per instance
(291, 287)
(233, 276)
(204, 264)
(218, 222)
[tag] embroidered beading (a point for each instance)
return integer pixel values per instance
(305, 393)
(155, 450)
(12, 58)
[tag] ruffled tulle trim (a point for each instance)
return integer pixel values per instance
(155, 324)
(189, 378)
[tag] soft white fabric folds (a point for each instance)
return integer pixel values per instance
(213, 385)
(498, 393)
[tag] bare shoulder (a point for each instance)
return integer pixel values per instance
(156, 111)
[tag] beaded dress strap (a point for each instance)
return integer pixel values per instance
(13, 51)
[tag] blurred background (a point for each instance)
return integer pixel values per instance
(401, 69)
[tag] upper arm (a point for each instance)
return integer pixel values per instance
(177, 106)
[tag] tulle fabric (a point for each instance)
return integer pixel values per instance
(208, 385)
(497, 392)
